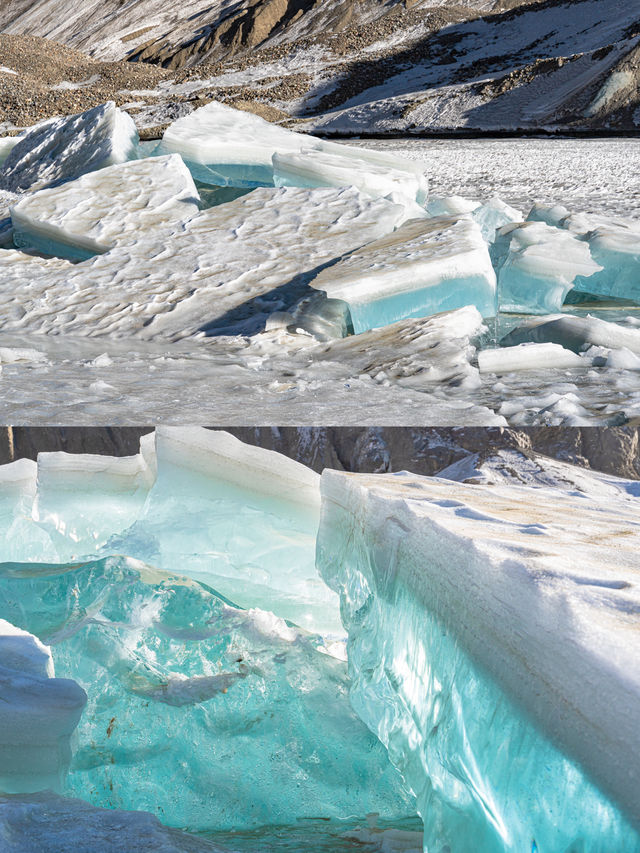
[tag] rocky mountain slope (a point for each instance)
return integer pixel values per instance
(372, 66)
(424, 450)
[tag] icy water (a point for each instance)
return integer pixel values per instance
(204, 380)
(311, 836)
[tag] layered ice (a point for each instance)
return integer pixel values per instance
(61, 149)
(113, 206)
(493, 649)
(225, 268)
(38, 714)
(537, 265)
(423, 268)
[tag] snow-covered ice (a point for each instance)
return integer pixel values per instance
(102, 209)
(493, 647)
(64, 148)
(424, 267)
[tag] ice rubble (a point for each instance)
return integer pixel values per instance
(493, 648)
(62, 149)
(47, 822)
(102, 209)
(424, 267)
(537, 265)
(613, 243)
(38, 715)
(574, 333)
(231, 265)
(247, 696)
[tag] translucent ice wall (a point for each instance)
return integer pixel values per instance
(160, 582)
(493, 651)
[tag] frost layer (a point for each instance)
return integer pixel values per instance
(102, 209)
(38, 714)
(494, 649)
(64, 148)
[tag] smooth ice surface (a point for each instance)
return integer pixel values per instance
(227, 267)
(38, 714)
(424, 267)
(65, 148)
(39, 822)
(537, 266)
(102, 209)
(493, 648)
(528, 356)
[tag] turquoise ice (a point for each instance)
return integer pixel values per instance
(204, 714)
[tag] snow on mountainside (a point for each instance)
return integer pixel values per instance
(370, 66)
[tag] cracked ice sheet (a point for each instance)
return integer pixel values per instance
(413, 372)
(229, 266)
(102, 209)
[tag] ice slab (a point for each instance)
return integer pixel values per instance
(575, 333)
(200, 712)
(226, 268)
(239, 518)
(537, 265)
(318, 168)
(102, 209)
(82, 499)
(423, 268)
(38, 714)
(65, 148)
(451, 205)
(494, 214)
(493, 648)
(613, 243)
(38, 822)
(229, 147)
(529, 356)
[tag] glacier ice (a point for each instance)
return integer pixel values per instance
(102, 209)
(493, 649)
(424, 267)
(64, 148)
(182, 278)
(537, 265)
(38, 714)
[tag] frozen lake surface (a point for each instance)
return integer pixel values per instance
(233, 376)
